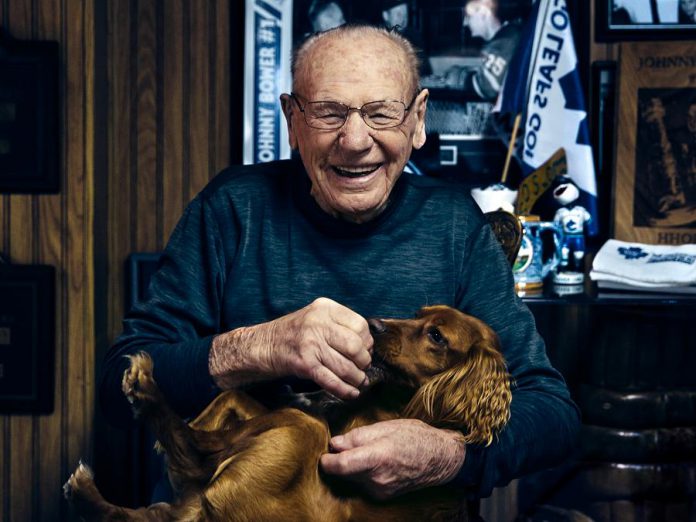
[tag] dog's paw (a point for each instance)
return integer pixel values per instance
(80, 480)
(138, 385)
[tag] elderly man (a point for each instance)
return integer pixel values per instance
(269, 275)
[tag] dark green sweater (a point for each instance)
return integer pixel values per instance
(254, 245)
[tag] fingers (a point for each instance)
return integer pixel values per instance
(356, 451)
(343, 316)
(352, 321)
(363, 457)
(334, 384)
(334, 347)
(350, 463)
(349, 345)
(395, 456)
(358, 437)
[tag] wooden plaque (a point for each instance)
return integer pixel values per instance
(655, 174)
(29, 101)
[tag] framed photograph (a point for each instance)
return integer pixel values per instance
(29, 135)
(618, 20)
(452, 47)
(655, 179)
(27, 338)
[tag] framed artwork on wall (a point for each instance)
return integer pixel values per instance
(27, 338)
(655, 178)
(450, 49)
(29, 136)
(618, 20)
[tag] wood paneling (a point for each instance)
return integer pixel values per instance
(36, 452)
(168, 128)
(156, 74)
(167, 98)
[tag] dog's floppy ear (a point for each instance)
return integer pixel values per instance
(474, 396)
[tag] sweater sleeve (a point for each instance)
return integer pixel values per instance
(544, 422)
(176, 322)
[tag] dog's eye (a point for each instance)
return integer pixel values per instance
(436, 336)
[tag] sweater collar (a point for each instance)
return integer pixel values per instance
(337, 227)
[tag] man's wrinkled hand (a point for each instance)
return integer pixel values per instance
(392, 457)
(325, 342)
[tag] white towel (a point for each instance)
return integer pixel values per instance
(642, 265)
(606, 284)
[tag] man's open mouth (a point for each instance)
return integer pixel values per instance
(358, 172)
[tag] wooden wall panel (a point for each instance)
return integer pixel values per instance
(37, 451)
(168, 122)
(167, 134)
(172, 116)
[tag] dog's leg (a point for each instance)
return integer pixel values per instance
(226, 409)
(89, 504)
(182, 444)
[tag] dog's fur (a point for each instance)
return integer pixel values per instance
(239, 462)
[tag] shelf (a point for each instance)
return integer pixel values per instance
(589, 295)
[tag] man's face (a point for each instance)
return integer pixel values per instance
(397, 15)
(331, 16)
(688, 6)
(353, 169)
(477, 16)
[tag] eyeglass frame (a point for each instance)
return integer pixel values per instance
(407, 109)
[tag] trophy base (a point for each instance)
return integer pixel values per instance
(568, 278)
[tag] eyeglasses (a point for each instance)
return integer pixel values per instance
(331, 115)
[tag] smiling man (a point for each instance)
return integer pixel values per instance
(268, 278)
(355, 149)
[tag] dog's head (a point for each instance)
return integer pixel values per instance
(453, 361)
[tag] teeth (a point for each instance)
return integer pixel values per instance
(354, 173)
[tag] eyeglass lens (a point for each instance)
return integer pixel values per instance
(332, 115)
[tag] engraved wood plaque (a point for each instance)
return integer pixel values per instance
(655, 173)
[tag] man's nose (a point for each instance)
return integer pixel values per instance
(356, 135)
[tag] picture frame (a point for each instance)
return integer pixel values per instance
(29, 100)
(626, 20)
(460, 123)
(655, 165)
(139, 269)
(27, 338)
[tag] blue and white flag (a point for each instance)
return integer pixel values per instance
(543, 84)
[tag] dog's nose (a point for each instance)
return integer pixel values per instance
(376, 326)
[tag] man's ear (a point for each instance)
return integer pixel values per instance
(419, 108)
(289, 108)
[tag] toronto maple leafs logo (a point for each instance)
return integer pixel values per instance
(632, 252)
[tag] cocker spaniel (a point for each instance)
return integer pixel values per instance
(237, 461)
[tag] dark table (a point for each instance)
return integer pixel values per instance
(630, 360)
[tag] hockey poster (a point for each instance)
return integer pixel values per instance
(655, 183)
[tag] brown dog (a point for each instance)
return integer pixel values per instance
(239, 462)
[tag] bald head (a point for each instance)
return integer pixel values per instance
(368, 43)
